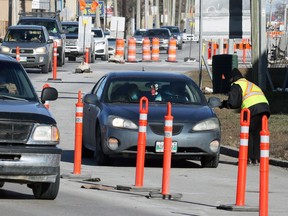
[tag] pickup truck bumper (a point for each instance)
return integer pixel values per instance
(29, 164)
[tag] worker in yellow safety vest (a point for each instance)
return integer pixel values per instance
(245, 94)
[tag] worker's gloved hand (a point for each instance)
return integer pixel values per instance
(223, 104)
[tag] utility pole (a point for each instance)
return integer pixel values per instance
(138, 14)
(146, 14)
(259, 43)
(179, 13)
(157, 23)
(173, 12)
(115, 4)
(97, 17)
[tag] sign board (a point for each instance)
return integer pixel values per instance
(41, 4)
(84, 31)
(222, 20)
(89, 12)
(117, 27)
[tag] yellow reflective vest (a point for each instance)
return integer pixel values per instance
(251, 93)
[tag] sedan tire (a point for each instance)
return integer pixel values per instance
(101, 158)
(210, 161)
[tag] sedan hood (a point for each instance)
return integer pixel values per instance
(157, 112)
(25, 111)
(23, 45)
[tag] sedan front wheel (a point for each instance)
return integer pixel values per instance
(101, 158)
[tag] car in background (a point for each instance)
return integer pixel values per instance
(29, 136)
(51, 20)
(111, 46)
(190, 37)
(177, 34)
(35, 47)
(101, 44)
(111, 117)
(138, 35)
(73, 48)
(163, 34)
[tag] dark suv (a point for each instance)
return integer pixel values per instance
(29, 135)
(51, 21)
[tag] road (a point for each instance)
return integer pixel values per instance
(202, 190)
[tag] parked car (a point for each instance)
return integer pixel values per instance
(189, 37)
(35, 46)
(51, 21)
(111, 116)
(73, 48)
(111, 46)
(101, 44)
(138, 35)
(29, 135)
(163, 34)
(176, 33)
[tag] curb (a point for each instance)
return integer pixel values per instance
(233, 152)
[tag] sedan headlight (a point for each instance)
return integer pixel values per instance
(208, 124)
(119, 122)
(5, 49)
(45, 135)
(40, 50)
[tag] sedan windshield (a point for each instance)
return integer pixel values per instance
(159, 91)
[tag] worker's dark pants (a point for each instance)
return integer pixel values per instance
(254, 137)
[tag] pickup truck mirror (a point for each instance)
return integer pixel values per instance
(49, 93)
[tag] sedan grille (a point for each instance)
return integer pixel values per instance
(159, 129)
(14, 132)
(24, 51)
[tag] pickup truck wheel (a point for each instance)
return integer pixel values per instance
(59, 60)
(46, 191)
(71, 58)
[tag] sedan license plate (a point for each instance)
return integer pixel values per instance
(160, 146)
(23, 59)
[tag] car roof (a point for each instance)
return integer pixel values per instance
(147, 74)
(36, 27)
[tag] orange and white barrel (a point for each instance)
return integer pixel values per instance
(119, 48)
(155, 49)
(172, 50)
(131, 50)
(146, 52)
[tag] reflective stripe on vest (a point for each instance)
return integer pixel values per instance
(251, 93)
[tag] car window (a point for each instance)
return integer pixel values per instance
(70, 29)
(158, 32)
(99, 86)
(50, 25)
(155, 90)
(98, 33)
(23, 35)
(14, 82)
